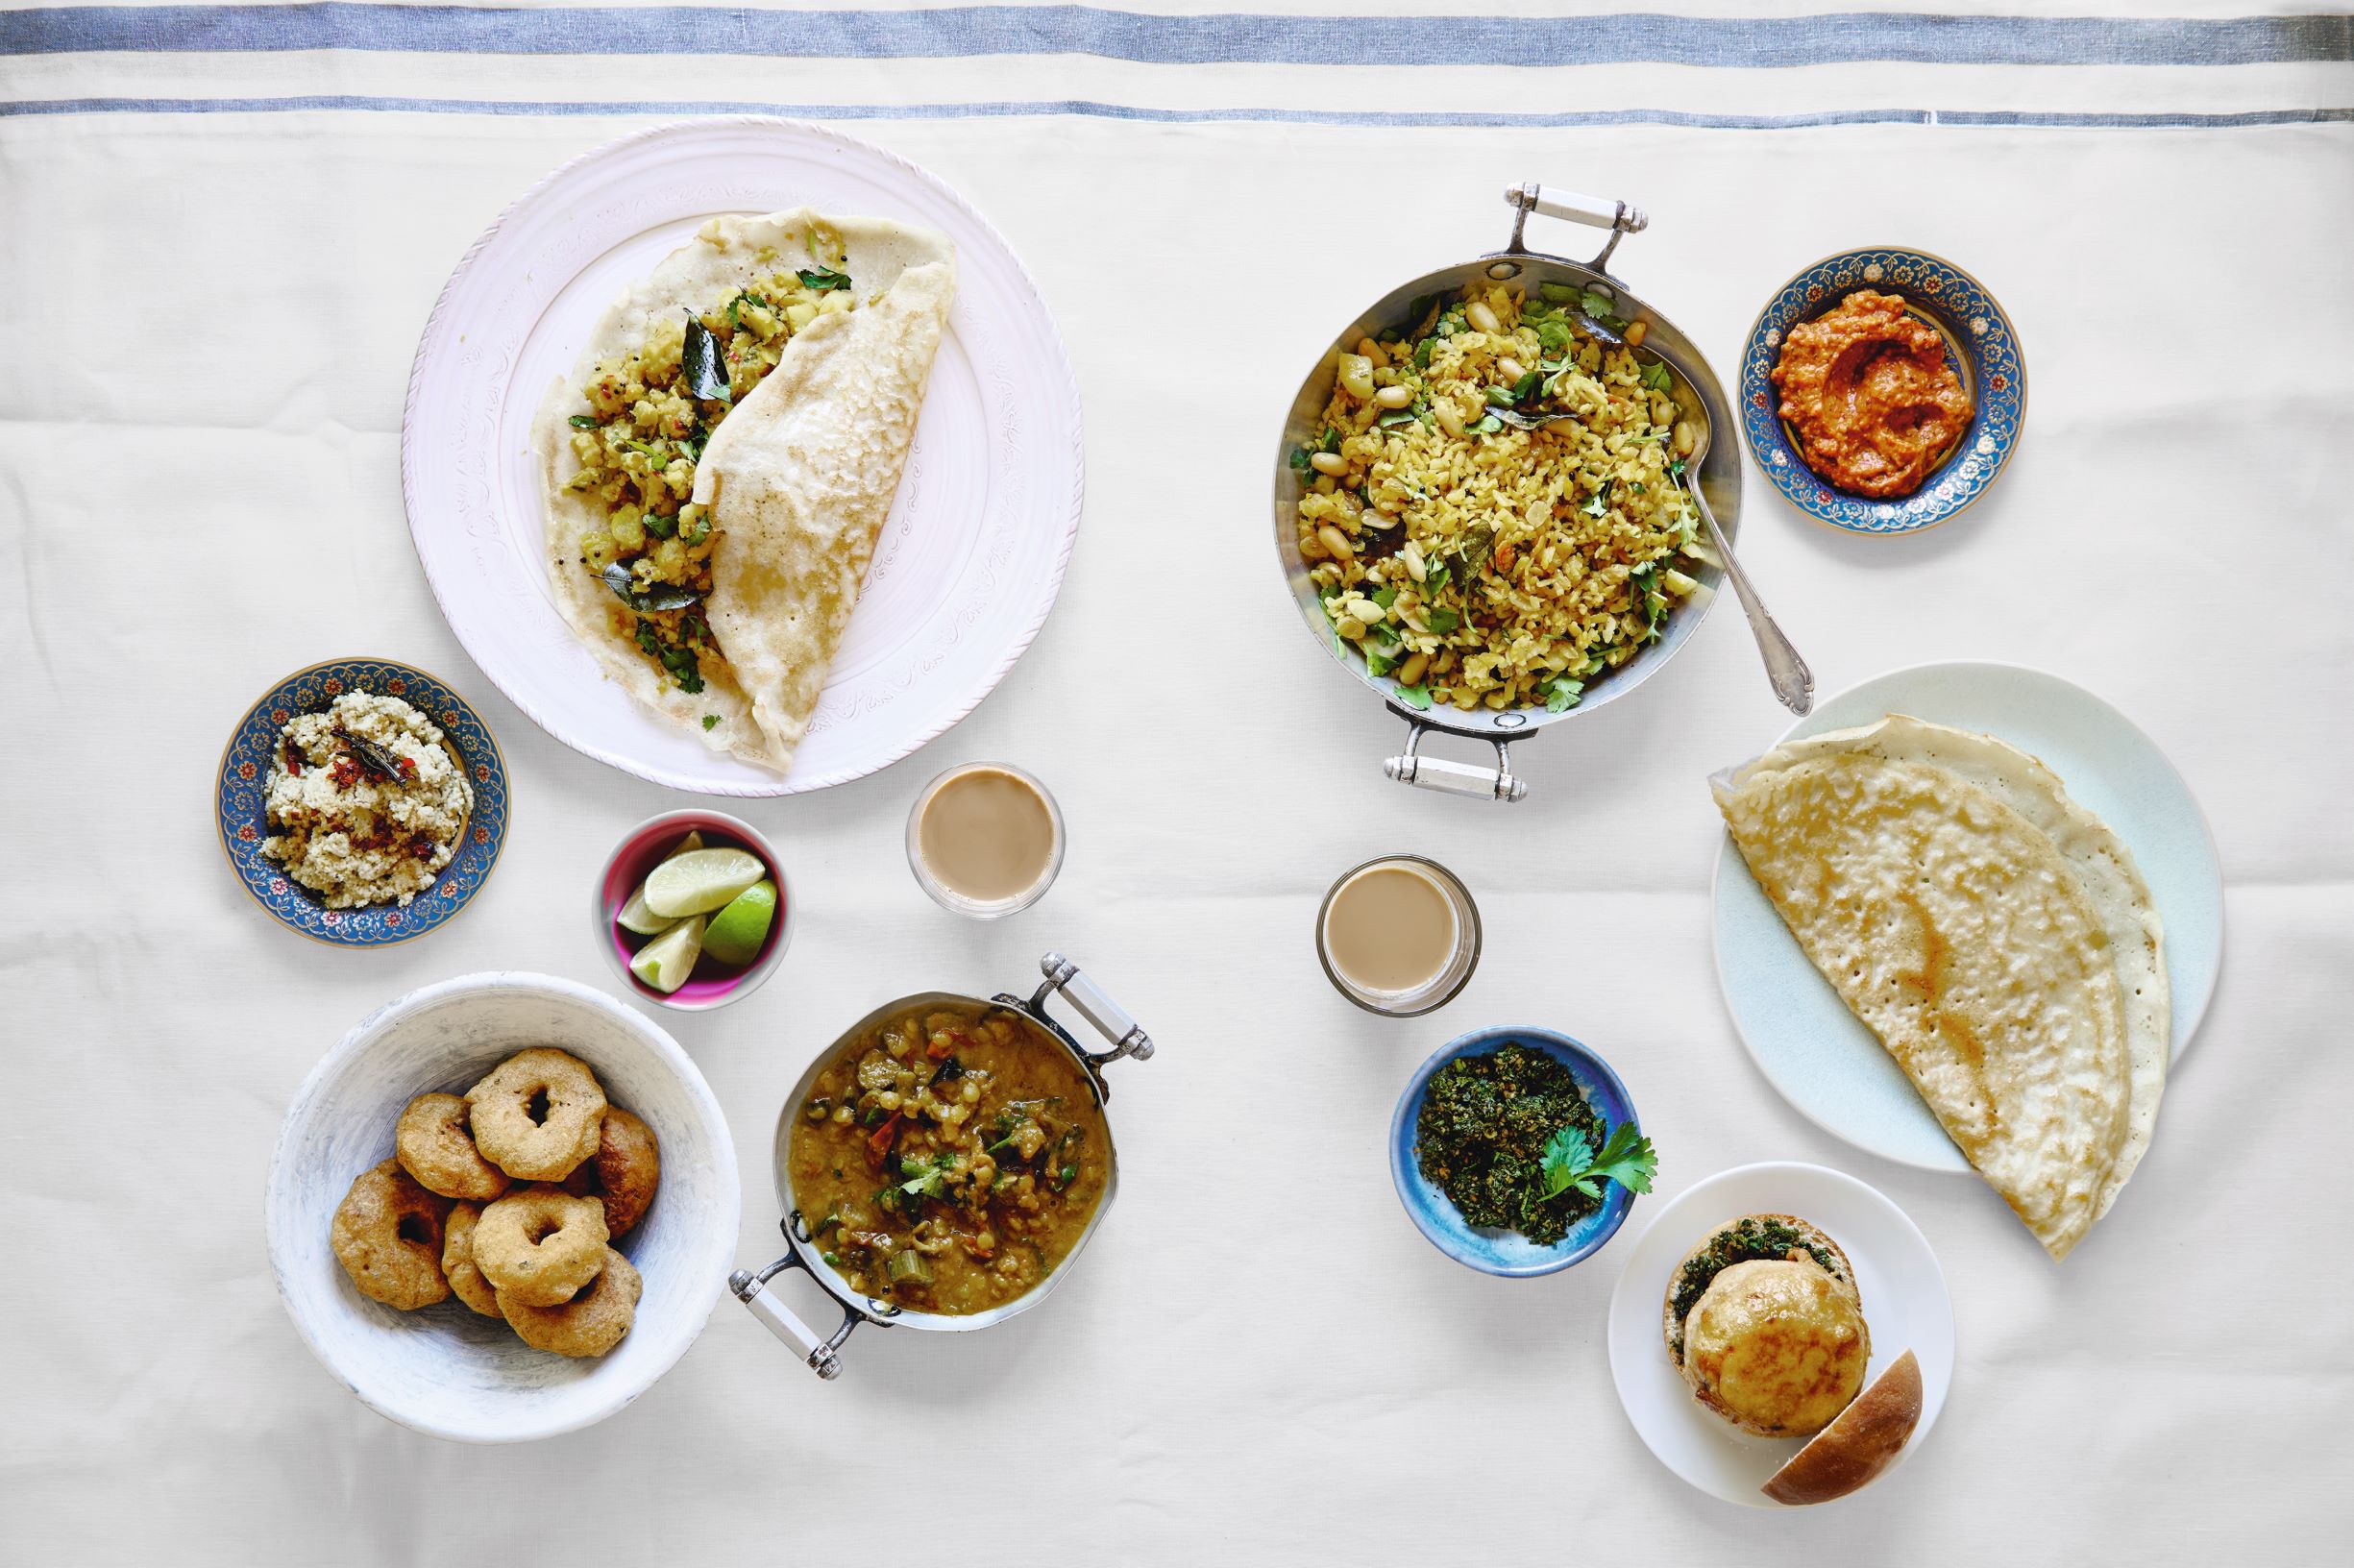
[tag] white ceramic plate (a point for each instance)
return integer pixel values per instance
(1904, 1302)
(968, 563)
(1802, 1036)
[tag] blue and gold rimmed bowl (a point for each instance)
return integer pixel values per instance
(1508, 1253)
(242, 788)
(1980, 346)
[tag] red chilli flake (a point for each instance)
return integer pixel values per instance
(345, 772)
(293, 754)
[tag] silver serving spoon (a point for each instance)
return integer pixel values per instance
(1793, 682)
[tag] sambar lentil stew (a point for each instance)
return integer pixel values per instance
(950, 1161)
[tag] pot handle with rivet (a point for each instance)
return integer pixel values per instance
(1095, 1005)
(1572, 206)
(1495, 783)
(819, 1354)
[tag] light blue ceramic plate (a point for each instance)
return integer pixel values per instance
(1804, 1039)
(1508, 1253)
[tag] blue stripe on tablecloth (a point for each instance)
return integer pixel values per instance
(1188, 116)
(1836, 37)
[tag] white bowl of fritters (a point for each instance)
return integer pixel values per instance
(443, 1369)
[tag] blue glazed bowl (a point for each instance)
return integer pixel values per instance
(243, 787)
(1508, 1253)
(1980, 346)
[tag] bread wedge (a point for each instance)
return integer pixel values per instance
(1865, 1440)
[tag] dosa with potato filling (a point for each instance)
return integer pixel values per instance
(1996, 936)
(721, 459)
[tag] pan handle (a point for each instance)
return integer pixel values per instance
(1094, 1004)
(1572, 206)
(1495, 783)
(782, 1321)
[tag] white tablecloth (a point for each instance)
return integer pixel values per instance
(216, 264)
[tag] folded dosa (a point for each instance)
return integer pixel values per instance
(799, 475)
(1921, 871)
(2105, 872)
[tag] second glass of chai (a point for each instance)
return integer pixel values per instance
(1398, 936)
(984, 840)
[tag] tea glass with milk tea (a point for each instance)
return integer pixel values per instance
(1398, 936)
(984, 840)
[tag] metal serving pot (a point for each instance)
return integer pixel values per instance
(1719, 479)
(801, 1252)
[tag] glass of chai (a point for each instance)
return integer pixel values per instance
(984, 840)
(1398, 936)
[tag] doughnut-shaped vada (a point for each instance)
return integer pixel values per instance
(433, 1144)
(537, 1114)
(387, 1235)
(540, 1245)
(628, 1167)
(591, 1323)
(466, 1281)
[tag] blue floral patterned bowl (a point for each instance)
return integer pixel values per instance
(245, 780)
(1508, 1253)
(1980, 346)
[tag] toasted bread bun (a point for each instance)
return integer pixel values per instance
(1739, 1232)
(1864, 1441)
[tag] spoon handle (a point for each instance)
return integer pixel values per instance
(1793, 682)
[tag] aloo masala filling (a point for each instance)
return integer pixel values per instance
(647, 417)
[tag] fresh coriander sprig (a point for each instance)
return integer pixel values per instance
(1569, 1161)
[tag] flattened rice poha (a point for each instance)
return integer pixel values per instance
(1478, 563)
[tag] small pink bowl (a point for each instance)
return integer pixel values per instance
(638, 854)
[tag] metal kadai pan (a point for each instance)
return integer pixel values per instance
(1719, 479)
(822, 1352)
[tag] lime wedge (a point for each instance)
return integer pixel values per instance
(736, 932)
(700, 881)
(636, 917)
(666, 962)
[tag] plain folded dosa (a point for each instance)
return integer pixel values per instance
(1992, 934)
